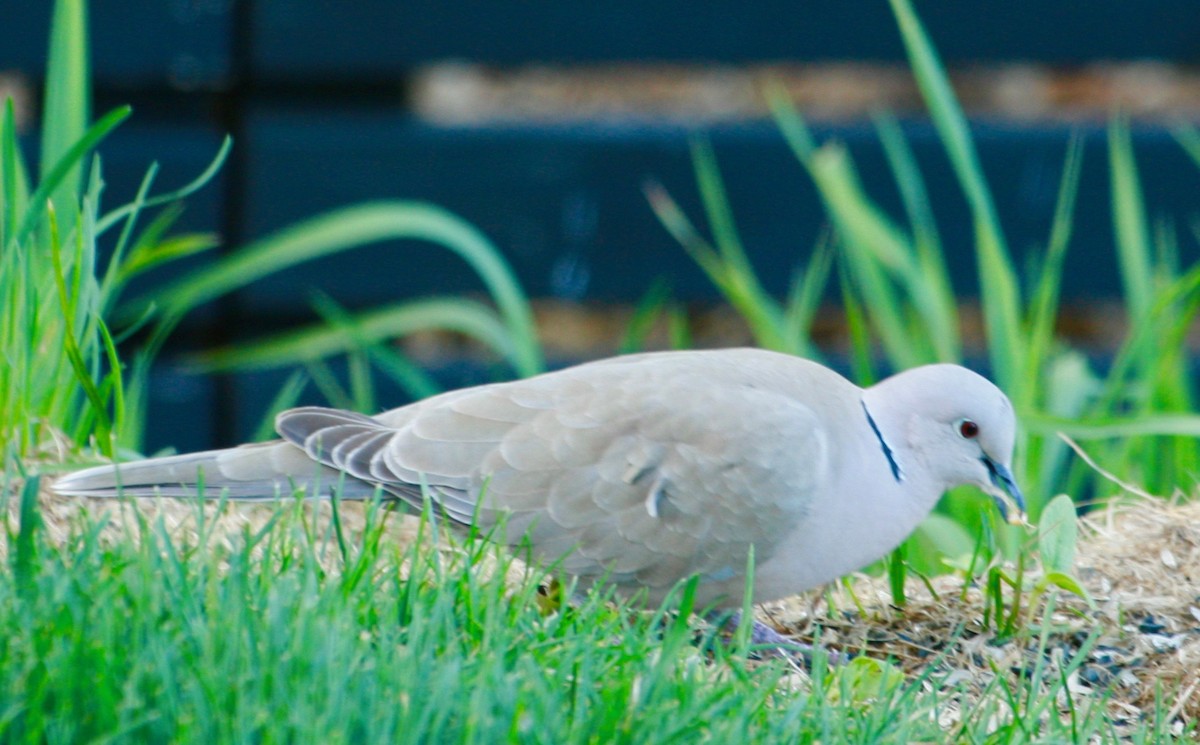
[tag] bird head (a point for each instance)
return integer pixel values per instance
(958, 425)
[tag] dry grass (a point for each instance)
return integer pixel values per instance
(1139, 561)
(224, 524)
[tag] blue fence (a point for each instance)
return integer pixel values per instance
(314, 92)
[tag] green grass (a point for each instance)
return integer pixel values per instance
(298, 632)
(61, 381)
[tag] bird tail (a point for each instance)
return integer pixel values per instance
(251, 472)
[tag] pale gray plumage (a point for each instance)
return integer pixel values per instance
(647, 468)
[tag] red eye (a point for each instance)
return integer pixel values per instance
(968, 429)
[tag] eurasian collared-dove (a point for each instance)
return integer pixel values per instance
(647, 468)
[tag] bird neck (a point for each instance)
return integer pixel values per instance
(885, 447)
(895, 443)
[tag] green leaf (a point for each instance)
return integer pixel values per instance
(174, 195)
(1066, 582)
(804, 299)
(937, 537)
(929, 281)
(1058, 533)
(71, 344)
(285, 398)
(653, 305)
(26, 544)
(865, 680)
(742, 286)
(147, 256)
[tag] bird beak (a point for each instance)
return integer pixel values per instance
(1005, 492)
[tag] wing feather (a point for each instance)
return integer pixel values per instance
(648, 472)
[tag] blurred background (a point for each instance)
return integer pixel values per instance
(542, 123)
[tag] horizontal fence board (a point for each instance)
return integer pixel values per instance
(141, 43)
(187, 44)
(332, 39)
(190, 44)
(180, 411)
(565, 204)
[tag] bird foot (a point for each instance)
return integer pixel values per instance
(767, 642)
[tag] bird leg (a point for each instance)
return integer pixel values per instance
(768, 642)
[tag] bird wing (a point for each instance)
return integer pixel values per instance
(648, 471)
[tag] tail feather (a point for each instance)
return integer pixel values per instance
(250, 472)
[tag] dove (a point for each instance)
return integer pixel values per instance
(646, 469)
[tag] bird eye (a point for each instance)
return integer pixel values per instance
(968, 429)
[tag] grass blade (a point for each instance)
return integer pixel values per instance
(653, 305)
(726, 265)
(468, 317)
(354, 226)
(67, 104)
(14, 183)
(804, 298)
(65, 166)
(286, 398)
(997, 279)
(758, 307)
(171, 196)
(103, 426)
(930, 284)
(1134, 249)
(1044, 302)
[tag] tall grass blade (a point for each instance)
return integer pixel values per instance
(348, 228)
(14, 183)
(875, 251)
(725, 265)
(405, 373)
(66, 109)
(895, 278)
(1045, 297)
(653, 304)
(790, 121)
(930, 280)
(1134, 249)
(997, 279)
(285, 398)
(804, 299)
(469, 317)
(65, 166)
(23, 566)
(1115, 427)
(759, 308)
(99, 410)
(861, 364)
(209, 172)
(1188, 138)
